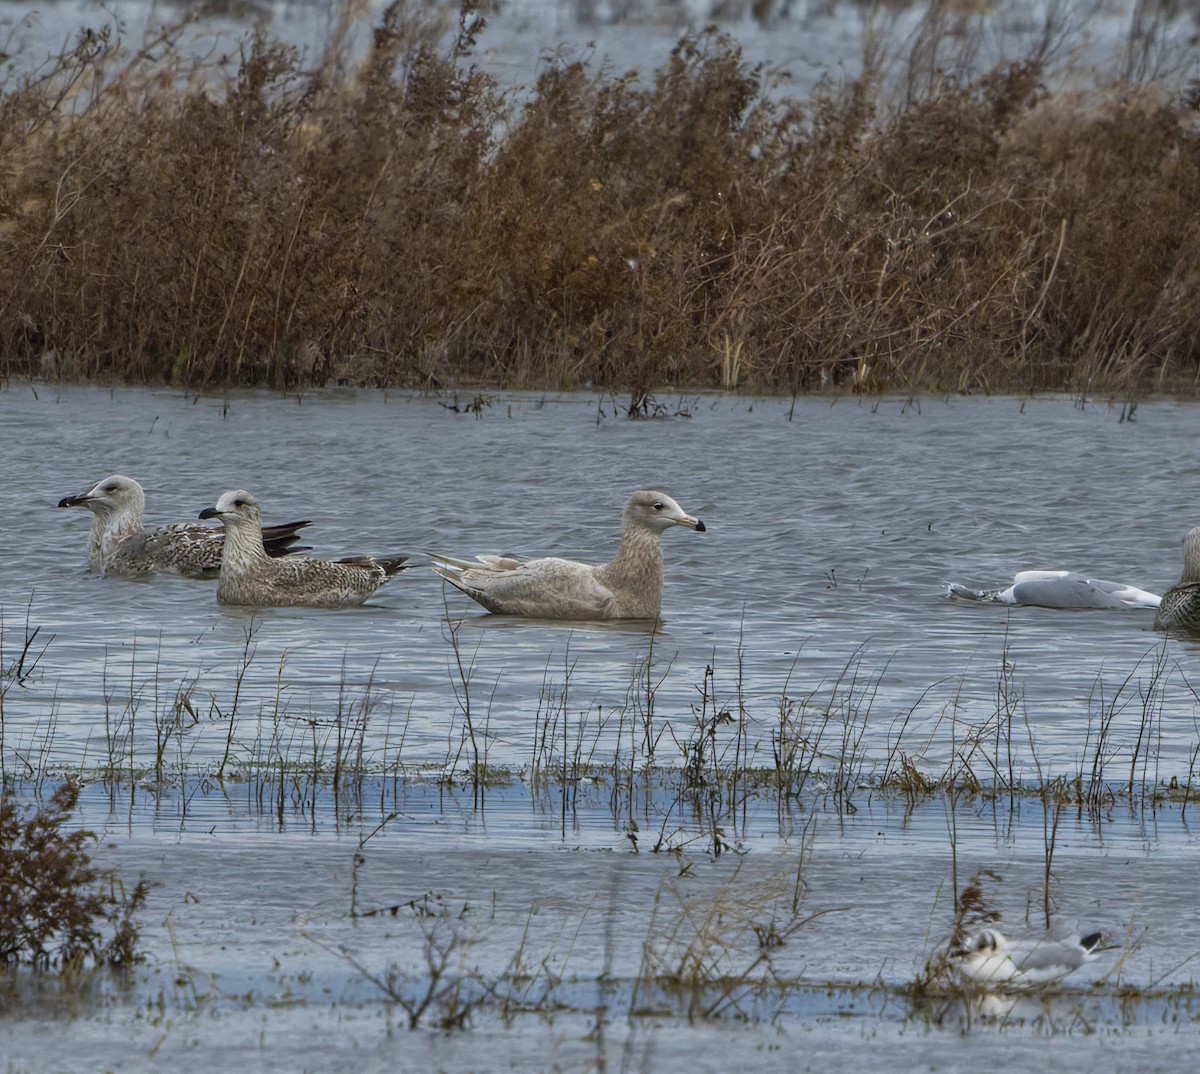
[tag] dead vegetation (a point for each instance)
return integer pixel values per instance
(58, 911)
(394, 219)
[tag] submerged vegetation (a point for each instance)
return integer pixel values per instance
(686, 790)
(388, 216)
(692, 770)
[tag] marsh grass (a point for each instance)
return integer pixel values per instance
(444, 991)
(708, 953)
(473, 727)
(1144, 696)
(692, 771)
(393, 218)
(16, 669)
(714, 954)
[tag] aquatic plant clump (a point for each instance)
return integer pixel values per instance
(393, 218)
(57, 909)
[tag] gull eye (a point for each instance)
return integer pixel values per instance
(239, 503)
(658, 505)
(111, 488)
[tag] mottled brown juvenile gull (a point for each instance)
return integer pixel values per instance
(1180, 607)
(630, 587)
(249, 576)
(1059, 589)
(120, 544)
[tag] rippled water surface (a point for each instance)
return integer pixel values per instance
(830, 536)
(802, 41)
(817, 588)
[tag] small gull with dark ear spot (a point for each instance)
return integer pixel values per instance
(988, 957)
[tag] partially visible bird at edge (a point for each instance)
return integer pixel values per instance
(1180, 607)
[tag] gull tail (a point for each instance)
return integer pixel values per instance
(451, 563)
(479, 563)
(390, 564)
(451, 573)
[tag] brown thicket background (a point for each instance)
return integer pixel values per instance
(397, 220)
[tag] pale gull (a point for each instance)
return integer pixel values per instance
(629, 587)
(988, 957)
(1059, 589)
(1180, 607)
(249, 576)
(119, 543)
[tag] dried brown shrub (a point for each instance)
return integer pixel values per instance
(396, 219)
(57, 910)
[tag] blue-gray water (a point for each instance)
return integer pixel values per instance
(830, 534)
(820, 576)
(800, 43)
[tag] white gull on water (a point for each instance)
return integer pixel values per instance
(628, 587)
(1180, 607)
(119, 543)
(250, 576)
(1059, 589)
(988, 957)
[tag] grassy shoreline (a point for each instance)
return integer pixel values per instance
(395, 219)
(698, 766)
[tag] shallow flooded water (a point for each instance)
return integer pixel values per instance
(800, 44)
(820, 578)
(809, 616)
(311, 952)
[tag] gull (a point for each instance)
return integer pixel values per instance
(988, 957)
(120, 544)
(628, 587)
(1180, 607)
(1059, 589)
(250, 576)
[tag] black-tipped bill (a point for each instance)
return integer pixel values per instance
(210, 512)
(74, 501)
(700, 527)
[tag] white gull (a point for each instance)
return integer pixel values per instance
(628, 587)
(1059, 589)
(988, 957)
(249, 576)
(119, 543)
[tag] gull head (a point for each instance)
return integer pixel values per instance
(657, 512)
(986, 941)
(115, 495)
(236, 508)
(1191, 555)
